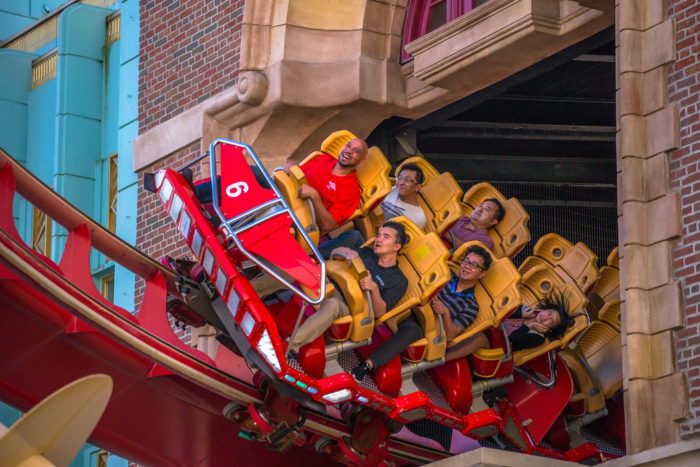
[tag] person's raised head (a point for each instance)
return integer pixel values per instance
(489, 213)
(390, 238)
(552, 312)
(354, 152)
(475, 263)
(410, 180)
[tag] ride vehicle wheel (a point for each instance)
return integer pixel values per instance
(260, 381)
(233, 411)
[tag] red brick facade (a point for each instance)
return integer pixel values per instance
(684, 91)
(189, 51)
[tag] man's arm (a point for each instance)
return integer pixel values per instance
(324, 219)
(452, 329)
(378, 303)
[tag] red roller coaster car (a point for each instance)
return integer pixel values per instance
(251, 231)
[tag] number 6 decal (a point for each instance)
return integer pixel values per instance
(235, 189)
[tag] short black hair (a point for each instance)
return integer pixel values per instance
(414, 167)
(481, 251)
(401, 236)
(500, 211)
(558, 302)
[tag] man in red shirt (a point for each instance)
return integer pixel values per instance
(332, 185)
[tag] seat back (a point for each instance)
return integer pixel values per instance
(288, 185)
(497, 292)
(373, 177)
(571, 262)
(588, 396)
(601, 345)
(577, 304)
(439, 196)
(357, 326)
(614, 258)
(440, 202)
(511, 234)
(429, 172)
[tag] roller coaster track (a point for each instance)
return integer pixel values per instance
(55, 326)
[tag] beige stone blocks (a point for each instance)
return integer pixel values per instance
(642, 51)
(647, 267)
(645, 179)
(640, 14)
(651, 222)
(649, 356)
(642, 93)
(649, 135)
(655, 310)
(651, 407)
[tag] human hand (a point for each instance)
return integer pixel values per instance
(307, 191)
(537, 327)
(350, 255)
(367, 283)
(527, 313)
(439, 307)
(287, 166)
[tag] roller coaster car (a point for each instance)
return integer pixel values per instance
(256, 225)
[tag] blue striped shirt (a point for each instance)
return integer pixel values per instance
(462, 305)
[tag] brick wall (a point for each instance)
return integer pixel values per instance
(684, 90)
(189, 51)
(156, 233)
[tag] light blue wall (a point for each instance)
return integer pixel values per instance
(66, 129)
(128, 130)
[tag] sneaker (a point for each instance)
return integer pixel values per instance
(360, 371)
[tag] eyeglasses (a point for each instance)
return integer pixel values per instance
(405, 179)
(472, 264)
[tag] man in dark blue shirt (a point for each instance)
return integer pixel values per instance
(455, 302)
(385, 282)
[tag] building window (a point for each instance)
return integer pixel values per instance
(424, 16)
(107, 287)
(112, 194)
(41, 232)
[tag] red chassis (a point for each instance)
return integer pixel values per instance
(254, 223)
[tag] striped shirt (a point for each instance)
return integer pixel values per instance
(462, 305)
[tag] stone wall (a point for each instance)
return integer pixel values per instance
(190, 50)
(684, 91)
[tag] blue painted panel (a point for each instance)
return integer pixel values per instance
(124, 288)
(13, 121)
(8, 415)
(130, 30)
(37, 8)
(82, 31)
(129, 84)
(79, 191)
(11, 24)
(126, 208)
(81, 82)
(79, 145)
(41, 133)
(126, 176)
(14, 86)
(110, 121)
(13, 6)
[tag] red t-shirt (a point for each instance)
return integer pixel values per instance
(340, 194)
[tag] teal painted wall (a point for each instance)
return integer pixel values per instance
(65, 130)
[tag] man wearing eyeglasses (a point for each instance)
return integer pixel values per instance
(455, 302)
(403, 198)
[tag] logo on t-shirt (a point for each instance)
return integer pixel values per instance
(331, 185)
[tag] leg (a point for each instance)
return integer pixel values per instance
(351, 239)
(467, 347)
(408, 331)
(265, 284)
(316, 324)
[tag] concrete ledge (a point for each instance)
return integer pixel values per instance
(493, 457)
(681, 454)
